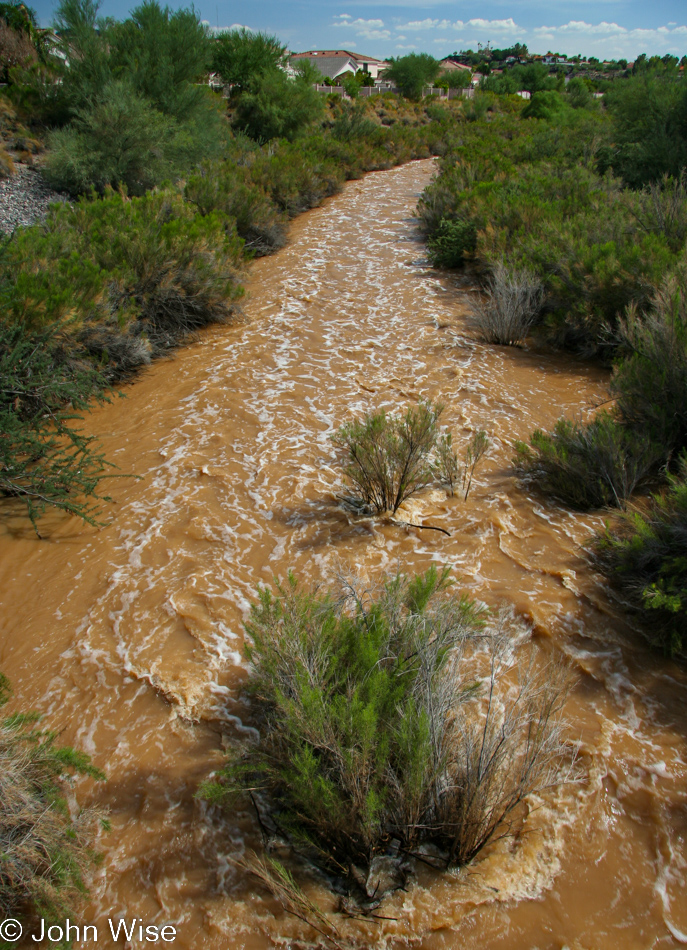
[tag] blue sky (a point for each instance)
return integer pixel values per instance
(609, 29)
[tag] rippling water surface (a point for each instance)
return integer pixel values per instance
(131, 639)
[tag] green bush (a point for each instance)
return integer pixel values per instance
(226, 189)
(645, 554)
(509, 307)
(118, 139)
(387, 458)
(241, 56)
(650, 125)
(275, 107)
(44, 458)
(142, 266)
(587, 466)
(374, 738)
(412, 72)
(578, 93)
(130, 99)
(548, 105)
(650, 381)
(45, 852)
(595, 248)
(451, 242)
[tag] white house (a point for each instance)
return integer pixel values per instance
(337, 63)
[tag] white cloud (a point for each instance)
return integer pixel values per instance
(361, 24)
(605, 39)
(430, 24)
(419, 25)
(608, 40)
(217, 30)
(375, 34)
(500, 26)
(589, 29)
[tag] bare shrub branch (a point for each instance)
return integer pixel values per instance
(510, 305)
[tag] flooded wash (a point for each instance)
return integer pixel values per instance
(130, 638)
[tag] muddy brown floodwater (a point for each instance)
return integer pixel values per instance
(130, 639)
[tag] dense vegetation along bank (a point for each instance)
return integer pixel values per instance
(239, 485)
(579, 238)
(46, 850)
(111, 282)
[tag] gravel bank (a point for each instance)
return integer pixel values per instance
(24, 199)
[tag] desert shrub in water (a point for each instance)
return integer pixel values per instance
(388, 722)
(387, 458)
(475, 450)
(45, 853)
(45, 460)
(452, 240)
(446, 466)
(645, 554)
(650, 381)
(587, 466)
(510, 306)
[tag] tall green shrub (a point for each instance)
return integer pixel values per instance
(649, 113)
(591, 465)
(241, 56)
(412, 72)
(373, 739)
(275, 106)
(119, 139)
(645, 555)
(45, 460)
(387, 458)
(135, 108)
(650, 381)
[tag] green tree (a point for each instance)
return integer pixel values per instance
(242, 57)
(131, 95)
(308, 72)
(649, 114)
(548, 105)
(277, 107)
(164, 54)
(119, 140)
(412, 72)
(353, 83)
(578, 92)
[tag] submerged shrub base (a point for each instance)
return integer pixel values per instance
(389, 728)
